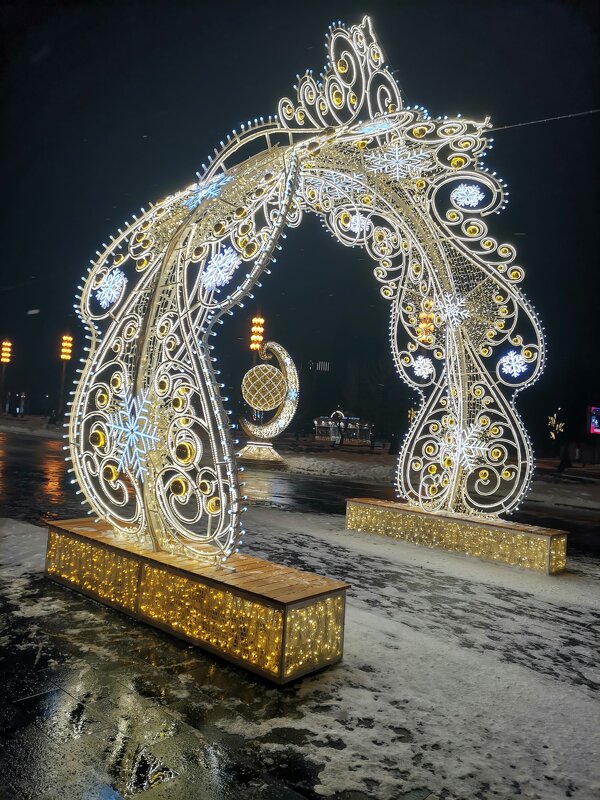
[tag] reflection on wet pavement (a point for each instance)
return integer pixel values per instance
(458, 681)
(34, 480)
(99, 706)
(35, 485)
(89, 708)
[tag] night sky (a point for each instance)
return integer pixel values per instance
(106, 106)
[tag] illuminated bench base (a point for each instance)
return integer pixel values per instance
(259, 451)
(279, 622)
(526, 546)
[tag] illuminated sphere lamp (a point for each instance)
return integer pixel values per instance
(266, 387)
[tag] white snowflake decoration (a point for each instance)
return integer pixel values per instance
(208, 190)
(334, 184)
(375, 126)
(111, 287)
(513, 364)
(358, 223)
(220, 268)
(423, 367)
(399, 161)
(472, 450)
(135, 436)
(453, 309)
(465, 195)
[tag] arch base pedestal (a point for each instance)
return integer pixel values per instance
(528, 546)
(279, 622)
(260, 451)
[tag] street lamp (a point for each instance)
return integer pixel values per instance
(5, 357)
(66, 347)
(257, 331)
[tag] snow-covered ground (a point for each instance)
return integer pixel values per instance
(378, 468)
(473, 679)
(31, 426)
(546, 489)
(460, 679)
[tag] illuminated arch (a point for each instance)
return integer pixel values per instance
(149, 436)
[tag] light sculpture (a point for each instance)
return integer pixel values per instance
(149, 436)
(555, 425)
(266, 387)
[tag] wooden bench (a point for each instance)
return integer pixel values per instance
(279, 622)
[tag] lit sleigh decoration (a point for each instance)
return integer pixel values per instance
(149, 436)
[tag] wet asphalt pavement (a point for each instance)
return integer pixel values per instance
(94, 705)
(35, 485)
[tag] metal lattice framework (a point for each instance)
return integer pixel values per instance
(150, 439)
(268, 388)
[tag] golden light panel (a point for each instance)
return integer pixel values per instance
(149, 434)
(276, 621)
(526, 546)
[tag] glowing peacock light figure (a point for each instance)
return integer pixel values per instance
(149, 437)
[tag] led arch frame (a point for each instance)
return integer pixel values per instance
(149, 436)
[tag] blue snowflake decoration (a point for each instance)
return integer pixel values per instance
(207, 191)
(374, 126)
(453, 309)
(293, 394)
(220, 269)
(467, 196)
(111, 287)
(513, 364)
(134, 434)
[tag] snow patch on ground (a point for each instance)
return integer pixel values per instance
(547, 489)
(462, 678)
